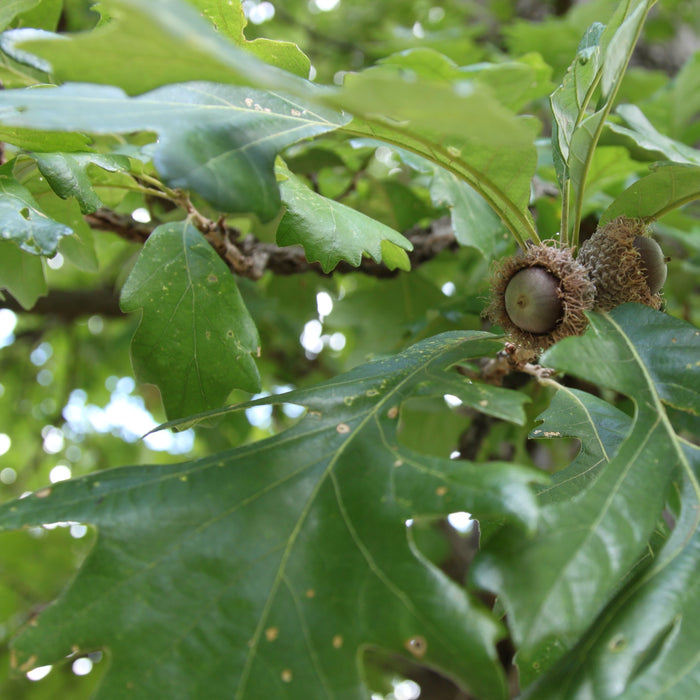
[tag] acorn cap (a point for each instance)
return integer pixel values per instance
(624, 264)
(561, 292)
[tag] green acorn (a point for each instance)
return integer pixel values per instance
(539, 296)
(624, 264)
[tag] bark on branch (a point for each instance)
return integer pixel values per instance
(249, 257)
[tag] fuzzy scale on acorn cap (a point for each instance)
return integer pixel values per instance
(624, 264)
(540, 296)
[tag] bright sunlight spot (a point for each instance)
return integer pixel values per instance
(258, 12)
(452, 401)
(326, 5)
(324, 304)
(8, 321)
(125, 416)
(8, 476)
(5, 443)
(311, 337)
(53, 439)
(41, 354)
(82, 666)
(55, 263)
(36, 674)
(448, 289)
(141, 215)
(60, 472)
(78, 530)
(406, 690)
(461, 521)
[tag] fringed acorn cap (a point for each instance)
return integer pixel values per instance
(624, 264)
(540, 296)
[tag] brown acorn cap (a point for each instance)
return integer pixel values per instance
(574, 289)
(616, 266)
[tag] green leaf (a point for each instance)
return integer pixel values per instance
(67, 174)
(474, 222)
(146, 45)
(645, 643)
(22, 221)
(394, 257)
(264, 571)
(43, 141)
(196, 336)
(586, 546)
(330, 231)
(219, 140)
(643, 136)
(667, 187)
(230, 20)
(600, 65)
(461, 127)
(21, 274)
(11, 8)
(512, 83)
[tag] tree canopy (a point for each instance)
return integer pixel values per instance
(259, 436)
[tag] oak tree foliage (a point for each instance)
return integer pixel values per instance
(258, 439)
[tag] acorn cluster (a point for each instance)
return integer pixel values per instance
(540, 295)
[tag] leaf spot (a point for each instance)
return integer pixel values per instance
(271, 633)
(348, 400)
(343, 428)
(248, 101)
(398, 463)
(372, 392)
(337, 641)
(311, 593)
(230, 334)
(296, 113)
(43, 493)
(417, 645)
(617, 643)
(393, 412)
(483, 403)
(212, 278)
(286, 675)
(441, 490)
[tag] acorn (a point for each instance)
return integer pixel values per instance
(540, 296)
(624, 264)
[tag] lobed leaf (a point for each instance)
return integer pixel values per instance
(218, 140)
(196, 335)
(588, 543)
(22, 221)
(266, 570)
(142, 46)
(645, 642)
(328, 230)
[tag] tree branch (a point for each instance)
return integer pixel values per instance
(251, 258)
(70, 304)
